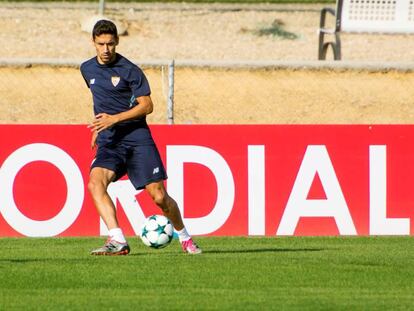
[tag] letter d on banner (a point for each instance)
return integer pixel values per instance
(176, 157)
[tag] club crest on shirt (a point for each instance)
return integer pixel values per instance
(115, 80)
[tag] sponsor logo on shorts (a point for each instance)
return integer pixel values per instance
(156, 170)
(92, 81)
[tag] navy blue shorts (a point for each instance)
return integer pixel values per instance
(142, 164)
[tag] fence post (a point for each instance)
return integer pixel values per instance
(170, 98)
(101, 9)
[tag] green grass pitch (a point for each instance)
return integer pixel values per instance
(233, 273)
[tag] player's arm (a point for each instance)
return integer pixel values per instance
(103, 121)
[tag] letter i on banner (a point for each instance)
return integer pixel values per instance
(256, 189)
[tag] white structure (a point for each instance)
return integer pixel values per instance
(368, 16)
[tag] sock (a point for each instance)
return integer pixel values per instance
(183, 235)
(117, 235)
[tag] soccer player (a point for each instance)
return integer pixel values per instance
(121, 101)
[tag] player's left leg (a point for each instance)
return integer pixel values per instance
(99, 180)
(107, 167)
(170, 210)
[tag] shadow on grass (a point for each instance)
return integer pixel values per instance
(231, 251)
(35, 260)
(162, 253)
(263, 250)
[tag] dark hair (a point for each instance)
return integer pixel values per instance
(104, 27)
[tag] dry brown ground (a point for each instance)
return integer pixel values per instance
(59, 95)
(191, 32)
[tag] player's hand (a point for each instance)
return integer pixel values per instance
(94, 138)
(102, 122)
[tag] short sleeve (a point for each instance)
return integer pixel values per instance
(138, 82)
(82, 70)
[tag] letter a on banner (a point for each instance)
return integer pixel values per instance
(316, 161)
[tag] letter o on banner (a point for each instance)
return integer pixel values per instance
(75, 190)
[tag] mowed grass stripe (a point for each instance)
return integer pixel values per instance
(233, 273)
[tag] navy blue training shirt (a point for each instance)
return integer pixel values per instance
(114, 88)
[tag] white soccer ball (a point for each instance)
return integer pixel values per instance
(157, 231)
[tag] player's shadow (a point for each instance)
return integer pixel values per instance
(262, 250)
(237, 251)
(46, 259)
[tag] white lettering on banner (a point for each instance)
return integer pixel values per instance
(176, 157)
(379, 224)
(125, 193)
(75, 190)
(256, 190)
(316, 160)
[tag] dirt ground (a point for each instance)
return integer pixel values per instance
(59, 95)
(204, 95)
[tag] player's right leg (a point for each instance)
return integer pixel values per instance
(146, 170)
(99, 180)
(170, 209)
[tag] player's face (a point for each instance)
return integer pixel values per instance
(105, 46)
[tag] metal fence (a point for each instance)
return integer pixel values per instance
(52, 91)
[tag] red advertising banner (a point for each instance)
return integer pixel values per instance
(227, 179)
